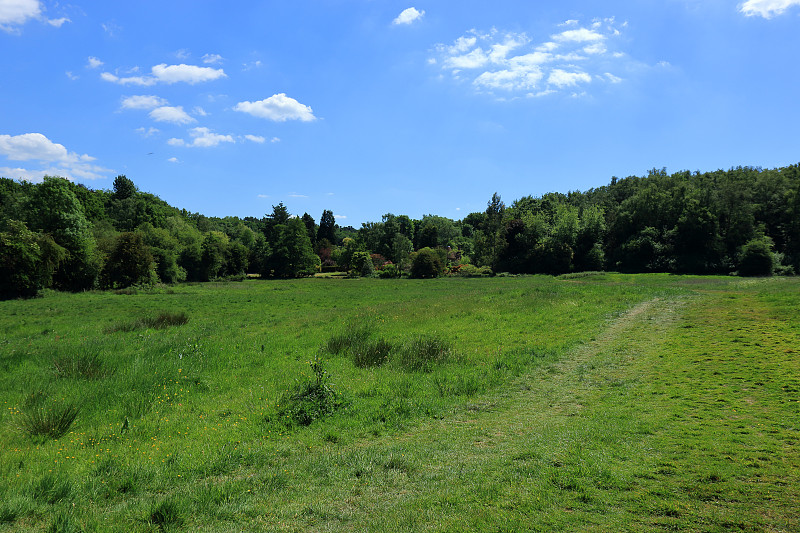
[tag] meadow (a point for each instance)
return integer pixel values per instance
(598, 402)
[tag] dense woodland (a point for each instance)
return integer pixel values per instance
(65, 236)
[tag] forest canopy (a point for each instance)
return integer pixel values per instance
(62, 235)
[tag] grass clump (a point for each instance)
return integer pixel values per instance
(80, 367)
(166, 515)
(51, 421)
(162, 320)
(310, 400)
(423, 352)
(50, 488)
(371, 353)
(351, 336)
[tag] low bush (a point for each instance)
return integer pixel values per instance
(311, 399)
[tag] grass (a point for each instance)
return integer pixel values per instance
(593, 403)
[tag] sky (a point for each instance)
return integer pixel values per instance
(368, 107)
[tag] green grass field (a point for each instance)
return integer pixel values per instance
(596, 403)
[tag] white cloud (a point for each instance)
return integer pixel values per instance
(255, 138)
(111, 28)
(335, 216)
(37, 147)
(581, 35)
(199, 111)
(408, 16)
(132, 80)
(147, 132)
(94, 62)
(510, 80)
(278, 108)
(202, 138)
(17, 12)
(766, 8)
(57, 23)
(142, 102)
(169, 74)
(263, 196)
(275, 140)
(212, 59)
(173, 160)
(186, 73)
(296, 195)
(251, 66)
(561, 78)
(504, 63)
(71, 76)
(176, 115)
(475, 59)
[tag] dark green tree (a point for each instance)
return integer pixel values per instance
(27, 261)
(130, 263)
(327, 227)
(290, 255)
(426, 263)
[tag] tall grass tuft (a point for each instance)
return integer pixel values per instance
(371, 353)
(80, 367)
(50, 488)
(423, 352)
(166, 515)
(51, 421)
(162, 320)
(352, 335)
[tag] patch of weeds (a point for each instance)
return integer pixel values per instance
(162, 320)
(80, 367)
(167, 514)
(330, 437)
(311, 399)
(371, 353)
(399, 463)
(51, 421)
(422, 353)
(50, 488)
(272, 482)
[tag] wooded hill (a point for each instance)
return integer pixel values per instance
(62, 235)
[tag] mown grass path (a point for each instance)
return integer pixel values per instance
(681, 415)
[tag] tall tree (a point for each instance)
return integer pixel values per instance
(327, 227)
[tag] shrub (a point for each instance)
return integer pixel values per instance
(310, 400)
(423, 352)
(49, 422)
(756, 258)
(389, 271)
(426, 264)
(471, 271)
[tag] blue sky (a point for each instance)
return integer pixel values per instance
(366, 107)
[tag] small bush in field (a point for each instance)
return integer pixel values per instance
(311, 399)
(51, 421)
(423, 352)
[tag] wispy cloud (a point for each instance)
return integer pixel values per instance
(512, 64)
(168, 74)
(766, 8)
(202, 138)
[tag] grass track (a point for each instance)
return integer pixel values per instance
(679, 414)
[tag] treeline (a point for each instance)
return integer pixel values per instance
(62, 235)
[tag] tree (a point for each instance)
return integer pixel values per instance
(123, 188)
(53, 209)
(327, 227)
(130, 262)
(311, 228)
(27, 261)
(426, 263)
(290, 255)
